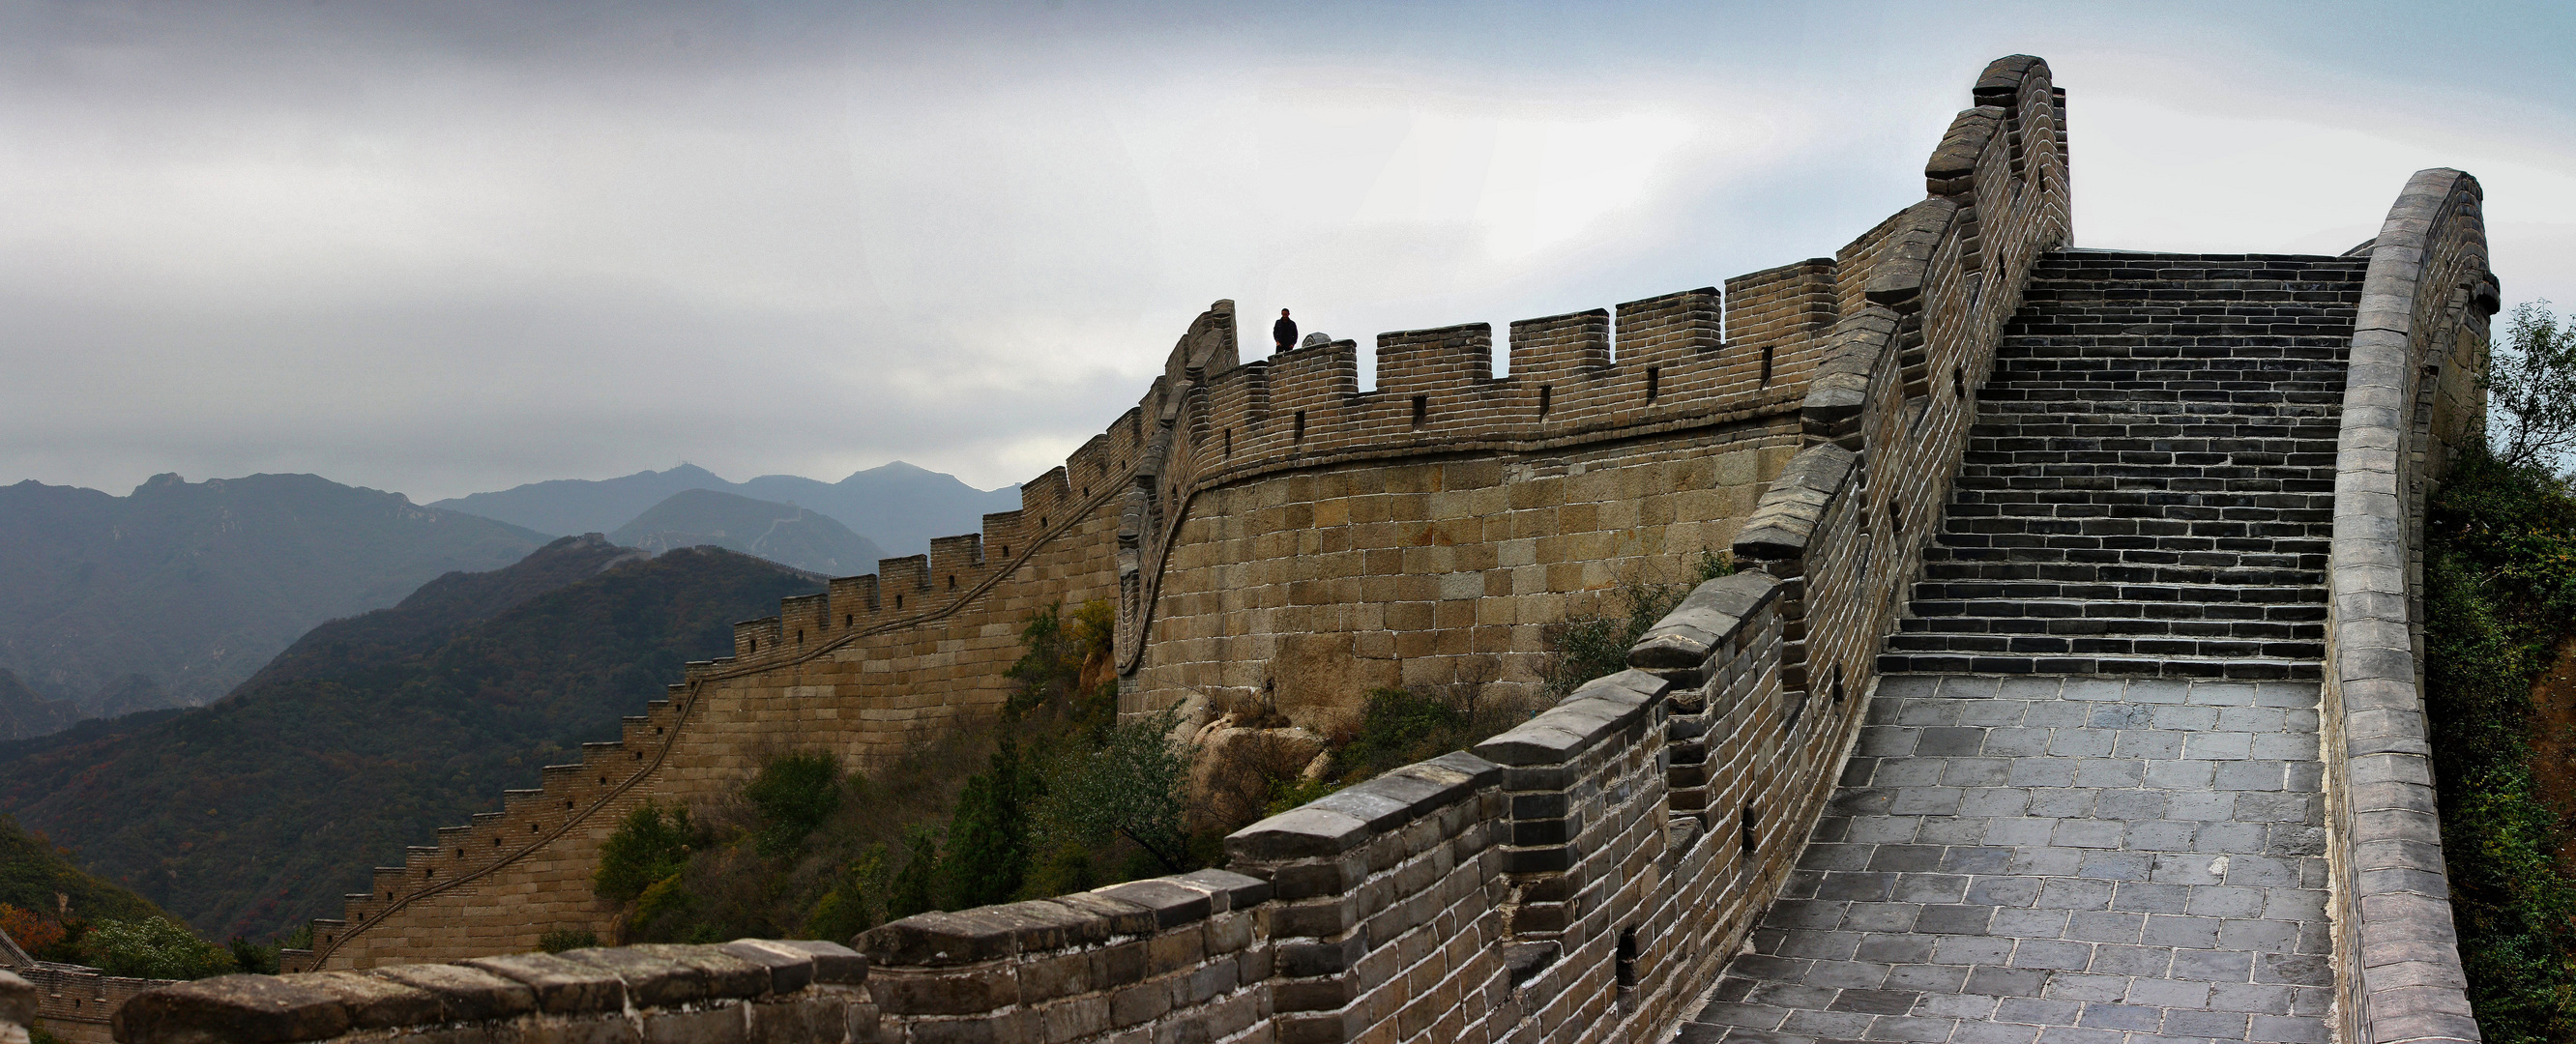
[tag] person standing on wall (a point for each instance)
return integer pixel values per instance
(1284, 332)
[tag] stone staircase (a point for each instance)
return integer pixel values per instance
(2149, 487)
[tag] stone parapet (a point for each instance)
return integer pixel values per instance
(754, 990)
(2409, 403)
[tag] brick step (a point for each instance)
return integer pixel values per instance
(2265, 450)
(2061, 502)
(2307, 555)
(2235, 668)
(2125, 362)
(2193, 593)
(2105, 645)
(2081, 395)
(2073, 572)
(2275, 612)
(2115, 627)
(2254, 297)
(2145, 453)
(2146, 330)
(2007, 532)
(2319, 350)
(2212, 479)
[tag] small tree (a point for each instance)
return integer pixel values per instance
(2531, 382)
(793, 796)
(988, 837)
(648, 847)
(1133, 787)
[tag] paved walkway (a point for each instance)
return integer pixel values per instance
(2066, 860)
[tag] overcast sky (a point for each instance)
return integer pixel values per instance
(449, 247)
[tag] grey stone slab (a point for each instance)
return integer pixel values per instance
(2115, 959)
(2146, 854)
(2071, 893)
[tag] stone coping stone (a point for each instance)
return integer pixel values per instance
(1897, 280)
(1838, 388)
(1705, 621)
(1173, 905)
(562, 986)
(321, 1005)
(1351, 817)
(945, 939)
(1229, 890)
(1601, 708)
(1789, 511)
(243, 1009)
(464, 994)
(376, 1003)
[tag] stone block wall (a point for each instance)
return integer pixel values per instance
(73, 1002)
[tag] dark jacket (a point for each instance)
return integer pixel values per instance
(1284, 332)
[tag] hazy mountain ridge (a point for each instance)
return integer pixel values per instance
(417, 625)
(193, 586)
(256, 813)
(24, 714)
(898, 506)
(782, 533)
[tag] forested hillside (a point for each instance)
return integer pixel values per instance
(254, 814)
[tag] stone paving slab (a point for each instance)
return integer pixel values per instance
(2054, 860)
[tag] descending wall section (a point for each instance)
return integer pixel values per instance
(869, 669)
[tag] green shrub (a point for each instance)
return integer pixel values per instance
(2500, 596)
(152, 948)
(557, 940)
(1133, 786)
(1588, 647)
(253, 958)
(793, 795)
(1397, 728)
(988, 836)
(857, 902)
(916, 886)
(648, 847)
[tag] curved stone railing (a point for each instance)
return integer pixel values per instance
(2410, 398)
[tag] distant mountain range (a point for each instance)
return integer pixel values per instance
(369, 733)
(176, 593)
(899, 506)
(782, 533)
